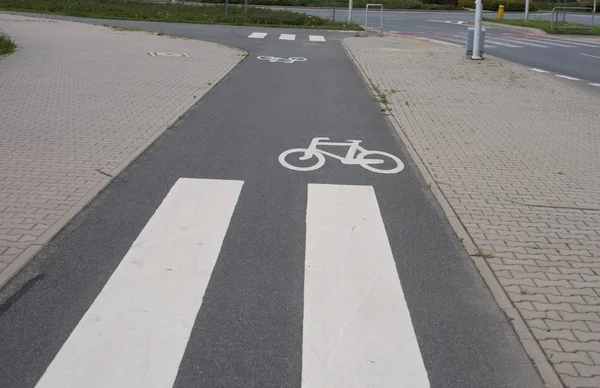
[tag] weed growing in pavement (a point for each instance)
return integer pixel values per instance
(481, 253)
(7, 45)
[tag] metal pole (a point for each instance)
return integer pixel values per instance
(246, 7)
(477, 32)
(526, 9)
(381, 21)
(350, 11)
(226, 5)
(333, 4)
(564, 13)
(593, 13)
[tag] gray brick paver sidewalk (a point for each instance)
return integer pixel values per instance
(515, 153)
(78, 102)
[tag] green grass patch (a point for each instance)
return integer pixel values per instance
(7, 45)
(545, 26)
(387, 4)
(173, 13)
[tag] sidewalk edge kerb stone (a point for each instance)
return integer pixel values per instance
(529, 343)
(31, 252)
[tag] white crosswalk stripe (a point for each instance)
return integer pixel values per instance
(287, 37)
(546, 42)
(257, 35)
(356, 322)
(493, 41)
(316, 38)
(522, 41)
(357, 327)
(134, 335)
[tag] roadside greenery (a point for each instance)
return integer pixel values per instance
(545, 25)
(175, 13)
(7, 45)
(387, 4)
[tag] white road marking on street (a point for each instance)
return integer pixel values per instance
(539, 70)
(428, 28)
(546, 41)
(136, 331)
(357, 327)
(501, 44)
(589, 55)
(257, 35)
(567, 77)
(281, 60)
(316, 38)
(593, 84)
(287, 37)
(523, 42)
(578, 43)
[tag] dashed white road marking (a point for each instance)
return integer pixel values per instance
(545, 41)
(589, 55)
(578, 43)
(257, 35)
(357, 330)
(135, 333)
(427, 28)
(539, 70)
(287, 37)
(316, 38)
(567, 77)
(594, 84)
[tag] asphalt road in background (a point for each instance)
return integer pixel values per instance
(249, 330)
(527, 48)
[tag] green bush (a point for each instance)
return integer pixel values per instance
(176, 13)
(492, 5)
(387, 4)
(7, 45)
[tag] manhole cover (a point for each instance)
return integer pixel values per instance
(163, 54)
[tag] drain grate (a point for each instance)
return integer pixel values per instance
(164, 54)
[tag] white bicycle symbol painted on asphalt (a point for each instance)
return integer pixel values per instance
(355, 155)
(281, 60)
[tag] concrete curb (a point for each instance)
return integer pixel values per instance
(30, 252)
(530, 344)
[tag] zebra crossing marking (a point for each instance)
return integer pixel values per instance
(135, 333)
(263, 35)
(357, 329)
(257, 35)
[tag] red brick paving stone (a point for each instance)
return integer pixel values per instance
(515, 153)
(77, 99)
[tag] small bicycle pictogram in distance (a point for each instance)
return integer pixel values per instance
(355, 155)
(281, 60)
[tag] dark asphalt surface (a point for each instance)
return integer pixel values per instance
(249, 330)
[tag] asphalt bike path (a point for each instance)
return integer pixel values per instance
(213, 261)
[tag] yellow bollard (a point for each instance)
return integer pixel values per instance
(501, 12)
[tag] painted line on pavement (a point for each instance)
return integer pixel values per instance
(546, 41)
(523, 42)
(502, 44)
(539, 70)
(589, 55)
(357, 326)
(567, 77)
(594, 84)
(136, 331)
(257, 35)
(287, 37)
(316, 38)
(427, 28)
